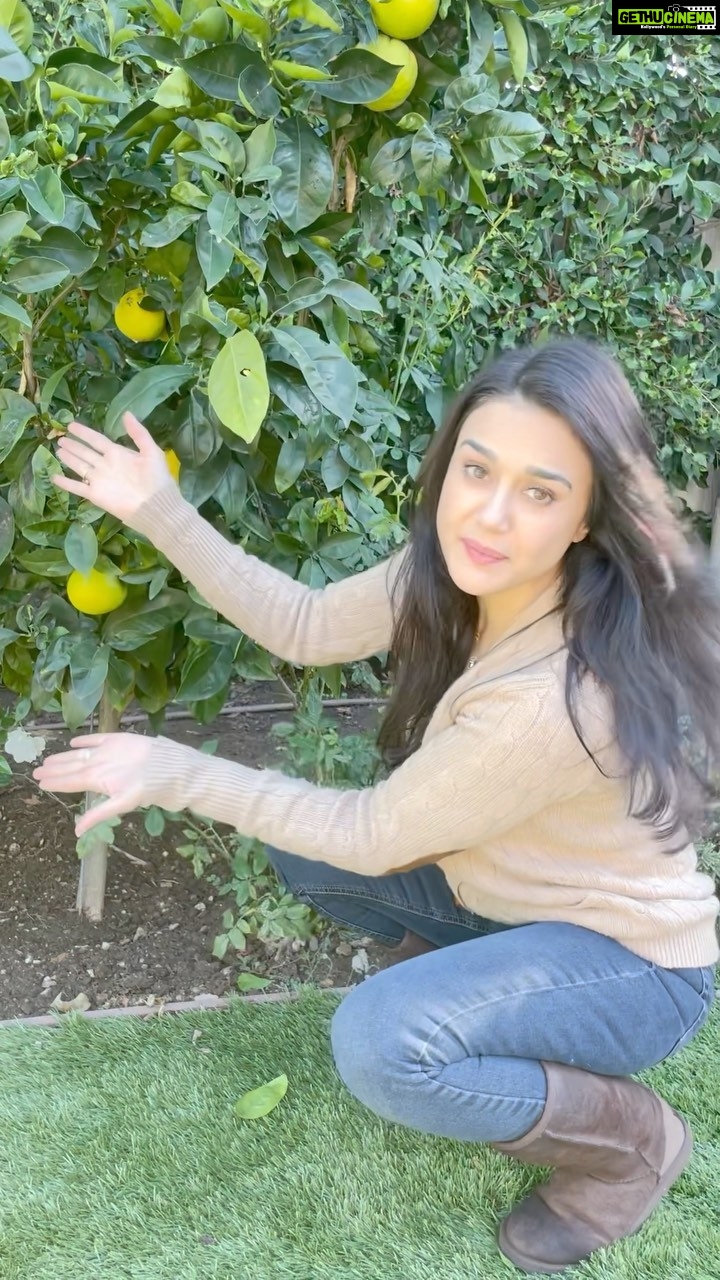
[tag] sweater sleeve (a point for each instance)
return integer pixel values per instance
(506, 757)
(341, 622)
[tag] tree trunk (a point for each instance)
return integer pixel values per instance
(93, 867)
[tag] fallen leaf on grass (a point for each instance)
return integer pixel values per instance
(258, 1102)
(79, 1004)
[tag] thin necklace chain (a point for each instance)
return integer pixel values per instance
(473, 661)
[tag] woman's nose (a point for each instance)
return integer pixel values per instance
(497, 510)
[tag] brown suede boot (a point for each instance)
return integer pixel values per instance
(616, 1148)
(411, 945)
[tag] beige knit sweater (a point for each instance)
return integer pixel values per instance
(501, 794)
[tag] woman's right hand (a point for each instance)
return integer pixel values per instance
(115, 478)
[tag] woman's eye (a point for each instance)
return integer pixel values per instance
(547, 496)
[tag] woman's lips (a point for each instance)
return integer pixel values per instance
(482, 555)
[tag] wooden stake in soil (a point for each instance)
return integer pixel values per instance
(93, 867)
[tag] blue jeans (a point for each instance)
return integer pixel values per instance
(451, 1042)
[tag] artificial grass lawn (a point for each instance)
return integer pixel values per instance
(120, 1158)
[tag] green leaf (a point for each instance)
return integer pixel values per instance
(104, 832)
(391, 162)
(354, 296)
(177, 91)
(15, 413)
(51, 385)
(33, 274)
(64, 246)
(325, 15)
(132, 625)
(248, 19)
(473, 162)
(187, 193)
(144, 392)
(357, 453)
(141, 120)
(12, 224)
(327, 371)
(258, 1102)
(291, 461)
(482, 34)
(333, 469)
(220, 945)
(305, 184)
(13, 310)
(517, 43)
(472, 94)
(17, 18)
(206, 670)
(14, 66)
(432, 157)
(61, 57)
(238, 387)
(504, 136)
(218, 141)
(215, 256)
(298, 70)
(218, 70)
(169, 228)
(7, 530)
(222, 214)
(159, 49)
(154, 821)
(47, 562)
(304, 293)
(252, 982)
(259, 151)
(257, 92)
(87, 675)
(75, 80)
(44, 194)
(81, 546)
(167, 15)
(358, 76)
(5, 142)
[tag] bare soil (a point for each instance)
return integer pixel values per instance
(154, 944)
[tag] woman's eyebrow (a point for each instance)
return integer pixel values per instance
(530, 471)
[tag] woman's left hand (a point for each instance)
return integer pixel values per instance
(111, 764)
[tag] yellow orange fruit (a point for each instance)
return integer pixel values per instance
(404, 19)
(173, 463)
(135, 321)
(95, 592)
(402, 56)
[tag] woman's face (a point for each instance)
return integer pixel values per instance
(494, 494)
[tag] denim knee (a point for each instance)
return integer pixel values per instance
(366, 1035)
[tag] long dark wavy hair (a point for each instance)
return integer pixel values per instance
(640, 606)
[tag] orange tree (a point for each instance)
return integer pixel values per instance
(283, 248)
(195, 201)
